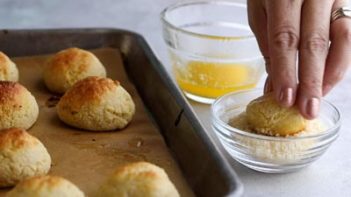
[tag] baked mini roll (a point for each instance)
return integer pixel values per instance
(69, 66)
(18, 107)
(8, 69)
(97, 104)
(140, 179)
(21, 156)
(266, 116)
(45, 186)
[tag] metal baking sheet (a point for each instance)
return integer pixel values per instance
(203, 166)
(87, 158)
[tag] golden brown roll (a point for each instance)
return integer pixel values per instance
(96, 104)
(18, 107)
(266, 116)
(140, 179)
(45, 186)
(21, 156)
(69, 66)
(8, 69)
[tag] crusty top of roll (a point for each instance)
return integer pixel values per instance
(8, 69)
(68, 66)
(90, 89)
(9, 90)
(16, 138)
(93, 87)
(43, 186)
(18, 107)
(39, 181)
(139, 179)
(66, 58)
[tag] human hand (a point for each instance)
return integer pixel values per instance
(291, 29)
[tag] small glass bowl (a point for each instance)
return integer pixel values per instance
(212, 48)
(271, 154)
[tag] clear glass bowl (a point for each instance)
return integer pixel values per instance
(271, 154)
(212, 48)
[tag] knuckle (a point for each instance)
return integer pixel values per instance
(286, 39)
(311, 84)
(346, 35)
(284, 78)
(315, 42)
(336, 77)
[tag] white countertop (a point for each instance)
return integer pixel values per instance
(329, 176)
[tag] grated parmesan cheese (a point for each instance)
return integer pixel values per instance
(276, 152)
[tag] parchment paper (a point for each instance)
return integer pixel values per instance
(87, 158)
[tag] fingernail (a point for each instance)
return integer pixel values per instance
(312, 107)
(286, 97)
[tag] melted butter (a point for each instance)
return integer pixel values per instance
(211, 79)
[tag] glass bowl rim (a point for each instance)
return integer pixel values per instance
(174, 6)
(331, 130)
